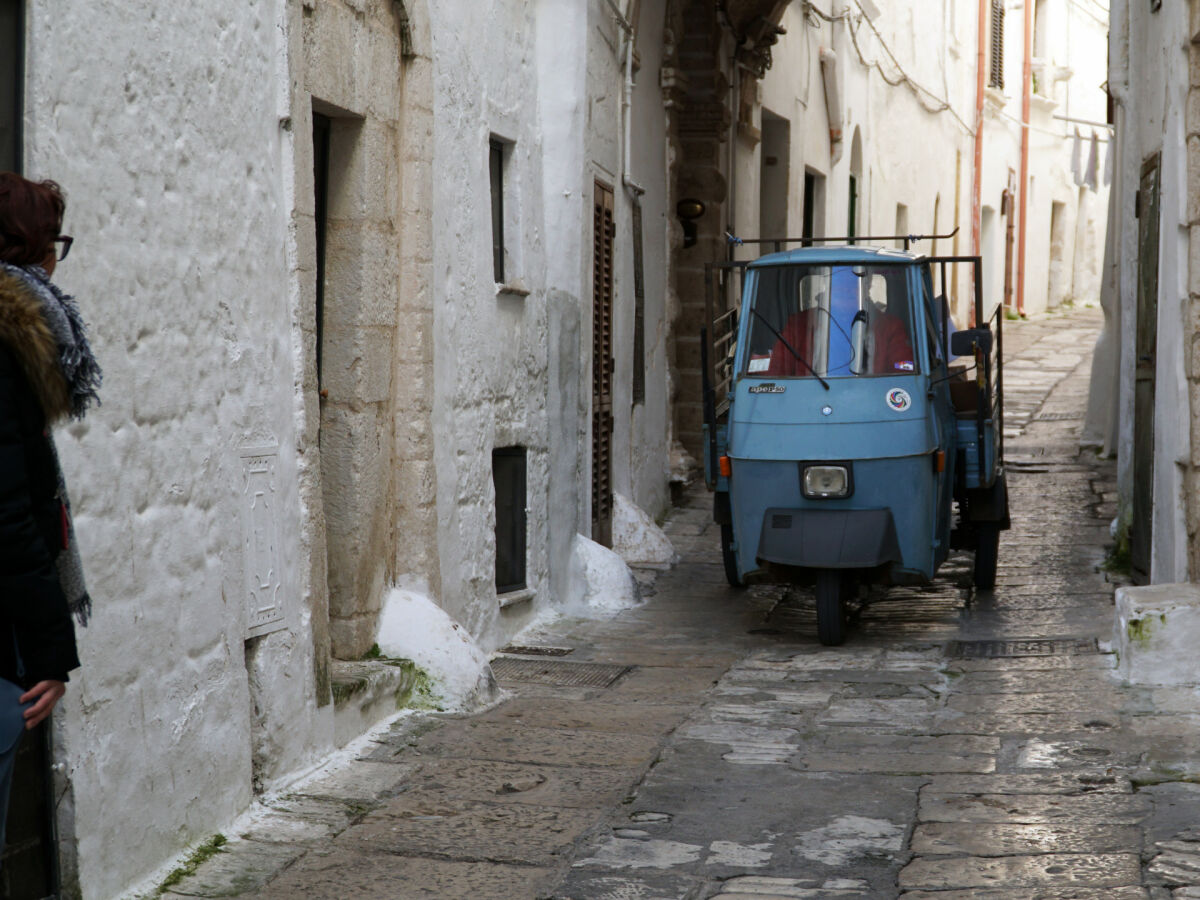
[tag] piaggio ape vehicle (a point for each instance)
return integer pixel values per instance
(845, 420)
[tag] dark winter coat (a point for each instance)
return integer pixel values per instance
(33, 394)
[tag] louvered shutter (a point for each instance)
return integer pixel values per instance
(997, 56)
(603, 232)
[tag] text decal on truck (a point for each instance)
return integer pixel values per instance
(769, 388)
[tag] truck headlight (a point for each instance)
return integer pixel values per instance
(825, 482)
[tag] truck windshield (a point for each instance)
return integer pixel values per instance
(831, 321)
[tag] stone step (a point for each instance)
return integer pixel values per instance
(365, 692)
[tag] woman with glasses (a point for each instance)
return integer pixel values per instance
(47, 375)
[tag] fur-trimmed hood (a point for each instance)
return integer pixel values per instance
(23, 328)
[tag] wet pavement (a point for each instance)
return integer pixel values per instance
(704, 745)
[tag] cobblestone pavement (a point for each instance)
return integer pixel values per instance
(705, 746)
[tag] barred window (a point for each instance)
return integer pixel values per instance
(508, 478)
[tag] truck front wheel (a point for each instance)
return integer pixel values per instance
(729, 557)
(987, 554)
(832, 589)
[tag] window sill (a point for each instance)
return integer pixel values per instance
(996, 99)
(512, 289)
(512, 598)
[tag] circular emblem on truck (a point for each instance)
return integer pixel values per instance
(898, 399)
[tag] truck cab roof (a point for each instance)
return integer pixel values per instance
(838, 254)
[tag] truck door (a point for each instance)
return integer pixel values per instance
(936, 364)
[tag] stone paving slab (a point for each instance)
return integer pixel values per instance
(515, 783)
(241, 867)
(1100, 870)
(1038, 893)
(1033, 809)
(667, 686)
(447, 828)
(502, 741)
(1053, 681)
(1099, 700)
(346, 873)
(586, 883)
(953, 722)
(1023, 783)
(952, 839)
(858, 740)
(1092, 752)
(893, 763)
(365, 781)
(629, 717)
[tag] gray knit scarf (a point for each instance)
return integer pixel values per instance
(83, 376)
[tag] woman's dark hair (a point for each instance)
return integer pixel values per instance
(31, 215)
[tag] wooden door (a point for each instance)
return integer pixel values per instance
(1141, 533)
(603, 232)
(29, 861)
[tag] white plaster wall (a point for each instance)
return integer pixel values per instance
(562, 79)
(908, 152)
(1076, 37)
(1166, 57)
(650, 421)
(179, 264)
(1152, 119)
(491, 350)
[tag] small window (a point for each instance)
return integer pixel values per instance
(322, 138)
(496, 167)
(508, 476)
(12, 66)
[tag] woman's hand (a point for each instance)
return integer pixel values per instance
(46, 693)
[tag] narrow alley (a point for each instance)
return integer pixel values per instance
(703, 745)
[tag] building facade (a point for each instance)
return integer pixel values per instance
(409, 296)
(1152, 288)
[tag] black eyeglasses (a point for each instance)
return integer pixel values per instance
(66, 240)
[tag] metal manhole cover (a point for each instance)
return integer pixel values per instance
(1009, 649)
(526, 650)
(556, 672)
(1059, 417)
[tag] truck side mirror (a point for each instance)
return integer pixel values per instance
(963, 343)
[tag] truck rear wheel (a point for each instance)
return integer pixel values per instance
(832, 589)
(987, 554)
(729, 557)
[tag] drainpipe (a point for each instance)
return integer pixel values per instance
(1023, 191)
(977, 193)
(635, 189)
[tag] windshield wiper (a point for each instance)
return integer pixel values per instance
(791, 349)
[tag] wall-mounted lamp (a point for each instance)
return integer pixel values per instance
(689, 211)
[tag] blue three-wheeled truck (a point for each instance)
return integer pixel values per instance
(852, 436)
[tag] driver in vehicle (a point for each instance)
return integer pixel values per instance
(887, 348)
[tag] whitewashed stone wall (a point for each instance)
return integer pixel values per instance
(206, 672)
(1061, 267)
(908, 153)
(1149, 75)
(491, 344)
(175, 166)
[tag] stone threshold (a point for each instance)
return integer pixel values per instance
(365, 692)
